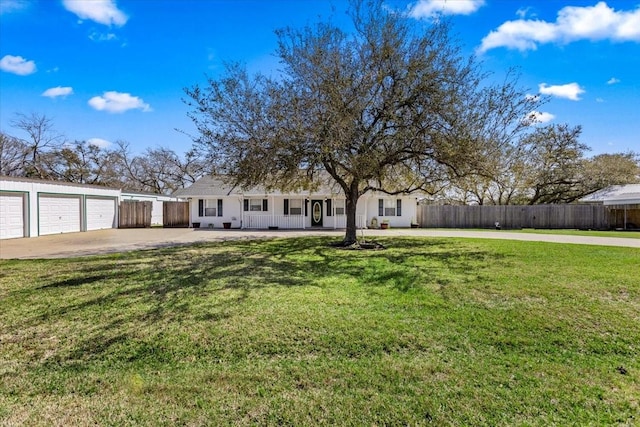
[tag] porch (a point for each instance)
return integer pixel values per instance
(296, 222)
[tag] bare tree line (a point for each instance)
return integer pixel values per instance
(550, 165)
(45, 153)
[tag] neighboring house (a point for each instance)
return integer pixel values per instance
(33, 207)
(623, 202)
(216, 204)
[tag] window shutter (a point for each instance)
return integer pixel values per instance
(399, 207)
(380, 207)
(219, 207)
(329, 212)
(246, 205)
(265, 205)
(286, 206)
(200, 207)
(306, 208)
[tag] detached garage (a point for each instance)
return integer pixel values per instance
(30, 208)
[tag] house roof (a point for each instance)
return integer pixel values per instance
(217, 186)
(615, 195)
(209, 186)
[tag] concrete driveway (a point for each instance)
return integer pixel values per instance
(114, 240)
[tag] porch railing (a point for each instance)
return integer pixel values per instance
(297, 222)
(280, 221)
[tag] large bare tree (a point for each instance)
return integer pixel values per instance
(157, 170)
(392, 106)
(41, 137)
(547, 166)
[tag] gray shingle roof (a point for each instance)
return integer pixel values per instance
(209, 186)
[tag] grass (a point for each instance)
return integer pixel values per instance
(443, 332)
(567, 232)
(591, 233)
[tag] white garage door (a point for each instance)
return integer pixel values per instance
(59, 214)
(11, 215)
(101, 213)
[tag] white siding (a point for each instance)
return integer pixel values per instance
(369, 204)
(231, 212)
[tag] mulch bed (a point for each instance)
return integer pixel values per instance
(357, 246)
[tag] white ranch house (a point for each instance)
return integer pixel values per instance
(214, 204)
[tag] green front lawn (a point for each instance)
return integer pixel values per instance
(589, 233)
(293, 332)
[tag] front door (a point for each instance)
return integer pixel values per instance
(316, 213)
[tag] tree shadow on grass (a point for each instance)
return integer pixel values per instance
(109, 300)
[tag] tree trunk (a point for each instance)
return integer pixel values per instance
(351, 204)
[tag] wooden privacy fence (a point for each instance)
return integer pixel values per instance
(175, 214)
(135, 214)
(514, 217)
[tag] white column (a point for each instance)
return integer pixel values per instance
(242, 224)
(333, 212)
(304, 219)
(366, 216)
(273, 210)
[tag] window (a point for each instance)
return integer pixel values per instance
(389, 207)
(210, 207)
(295, 207)
(340, 207)
(256, 205)
(292, 207)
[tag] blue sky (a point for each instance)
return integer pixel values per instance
(108, 70)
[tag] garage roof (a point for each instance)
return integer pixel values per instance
(615, 195)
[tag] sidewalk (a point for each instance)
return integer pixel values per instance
(114, 240)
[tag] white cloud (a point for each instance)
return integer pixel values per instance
(99, 142)
(521, 35)
(429, 8)
(613, 81)
(101, 11)
(599, 22)
(102, 37)
(117, 102)
(538, 117)
(17, 65)
(570, 91)
(58, 91)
